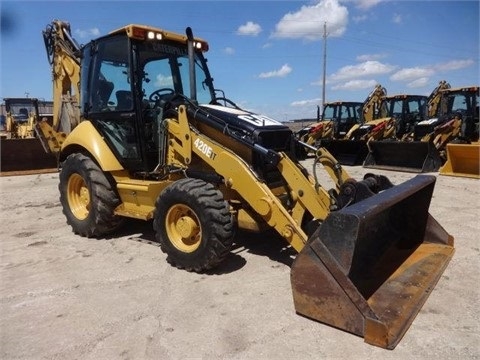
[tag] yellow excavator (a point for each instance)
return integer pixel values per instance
(20, 149)
(452, 118)
(133, 144)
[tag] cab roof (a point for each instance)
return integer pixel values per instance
(143, 32)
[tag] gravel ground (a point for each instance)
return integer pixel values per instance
(67, 297)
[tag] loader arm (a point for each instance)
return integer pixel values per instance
(239, 177)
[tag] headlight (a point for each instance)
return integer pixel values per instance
(153, 35)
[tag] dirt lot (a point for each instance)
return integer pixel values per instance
(67, 297)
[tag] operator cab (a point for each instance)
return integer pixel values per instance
(128, 82)
(136, 77)
(407, 110)
(344, 116)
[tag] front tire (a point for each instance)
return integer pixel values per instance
(193, 225)
(88, 198)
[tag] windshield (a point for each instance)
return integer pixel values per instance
(21, 111)
(329, 112)
(342, 112)
(459, 103)
(165, 69)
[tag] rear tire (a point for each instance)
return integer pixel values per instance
(88, 197)
(193, 225)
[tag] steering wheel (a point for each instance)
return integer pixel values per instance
(216, 101)
(157, 94)
(460, 113)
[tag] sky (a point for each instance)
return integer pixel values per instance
(268, 56)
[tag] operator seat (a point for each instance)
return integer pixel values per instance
(124, 100)
(23, 112)
(102, 95)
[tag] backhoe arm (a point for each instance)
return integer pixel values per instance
(373, 107)
(434, 99)
(64, 59)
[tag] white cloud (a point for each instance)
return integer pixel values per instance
(89, 33)
(418, 83)
(162, 80)
(454, 65)
(356, 85)
(367, 68)
(308, 22)
(367, 4)
(249, 29)
(359, 18)
(397, 18)
(282, 72)
(229, 50)
(367, 57)
(308, 102)
(419, 76)
(410, 74)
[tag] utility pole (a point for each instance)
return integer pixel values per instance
(324, 60)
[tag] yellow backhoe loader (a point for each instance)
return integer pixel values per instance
(452, 118)
(374, 124)
(336, 120)
(20, 149)
(133, 144)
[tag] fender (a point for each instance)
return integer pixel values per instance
(87, 137)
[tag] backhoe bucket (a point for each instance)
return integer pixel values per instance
(370, 267)
(462, 160)
(24, 155)
(347, 152)
(417, 156)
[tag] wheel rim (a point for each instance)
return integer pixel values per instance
(78, 196)
(183, 228)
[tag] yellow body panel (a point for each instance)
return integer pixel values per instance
(86, 136)
(138, 196)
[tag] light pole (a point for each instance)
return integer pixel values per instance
(324, 60)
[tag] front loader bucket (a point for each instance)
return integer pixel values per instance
(417, 156)
(347, 152)
(370, 267)
(24, 155)
(462, 160)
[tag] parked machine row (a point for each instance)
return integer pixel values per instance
(411, 133)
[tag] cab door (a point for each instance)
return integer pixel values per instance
(109, 101)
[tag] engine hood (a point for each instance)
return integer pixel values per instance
(242, 119)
